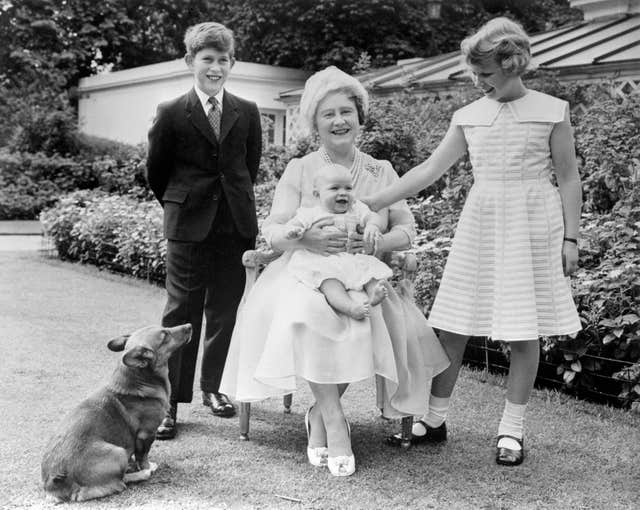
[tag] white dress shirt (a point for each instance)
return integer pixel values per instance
(204, 100)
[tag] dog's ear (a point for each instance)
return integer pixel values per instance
(117, 344)
(139, 357)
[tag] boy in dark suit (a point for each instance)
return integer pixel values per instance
(204, 152)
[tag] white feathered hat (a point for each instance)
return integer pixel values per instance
(322, 83)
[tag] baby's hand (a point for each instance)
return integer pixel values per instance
(295, 233)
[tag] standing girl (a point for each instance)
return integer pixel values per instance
(516, 239)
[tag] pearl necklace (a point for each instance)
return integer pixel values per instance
(357, 159)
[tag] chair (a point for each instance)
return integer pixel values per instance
(255, 260)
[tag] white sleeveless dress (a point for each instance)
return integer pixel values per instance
(503, 278)
(286, 330)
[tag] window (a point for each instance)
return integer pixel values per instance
(269, 127)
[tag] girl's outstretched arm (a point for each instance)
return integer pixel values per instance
(563, 155)
(452, 147)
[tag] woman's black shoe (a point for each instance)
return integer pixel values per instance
(507, 456)
(433, 435)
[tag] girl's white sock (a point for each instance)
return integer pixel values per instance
(512, 424)
(435, 416)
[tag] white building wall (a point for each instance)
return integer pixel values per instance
(121, 105)
(603, 9)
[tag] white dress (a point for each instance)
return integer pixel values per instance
(354, 270)
(285, 329)
(503, 278)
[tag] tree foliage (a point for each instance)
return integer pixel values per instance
(46, 46)
(56, 42)
(312, 34)
(61, 41)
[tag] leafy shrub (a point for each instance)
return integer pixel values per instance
(45, 129)
(30, 182)
(264, 196)
(608, 144)
(24, 199)
(93, 147)
(607, 292)
(273, 161)
(124, 177)
(386, 135)
(58, 221)
(112, 231)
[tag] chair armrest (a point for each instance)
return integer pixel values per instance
(405, 266)
(255, 259)
(404, 261)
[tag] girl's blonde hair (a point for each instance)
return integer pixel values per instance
(502, 40)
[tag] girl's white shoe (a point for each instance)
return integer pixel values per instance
(318, 455)
(343, 465)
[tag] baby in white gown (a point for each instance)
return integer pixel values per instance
(335, 274)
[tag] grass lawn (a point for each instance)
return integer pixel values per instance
(56, 319)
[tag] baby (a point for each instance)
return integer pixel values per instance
(335, 274)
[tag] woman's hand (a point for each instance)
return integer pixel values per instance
(372, 238)
(569, 257)
(326, 241)
(356, 242)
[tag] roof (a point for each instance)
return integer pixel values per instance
(256, 73)
(587, 47)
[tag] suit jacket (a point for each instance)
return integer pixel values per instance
(188, 168)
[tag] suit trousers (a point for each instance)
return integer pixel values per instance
(203, 276)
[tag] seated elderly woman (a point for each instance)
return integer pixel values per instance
(286, 329)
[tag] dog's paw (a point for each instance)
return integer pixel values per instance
(153, 466)
(53, 499)
(137, 476)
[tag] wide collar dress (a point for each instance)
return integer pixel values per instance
(503, 278)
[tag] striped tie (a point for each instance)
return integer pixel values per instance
(214, 116)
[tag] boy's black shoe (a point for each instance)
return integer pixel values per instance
(219, 403)
(169, 426)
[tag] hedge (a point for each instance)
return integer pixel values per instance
(123, 234)
(406, 129)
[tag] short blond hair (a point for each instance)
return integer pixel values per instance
(502, 40)
(209, 35)
(321, 84)
(327, 172)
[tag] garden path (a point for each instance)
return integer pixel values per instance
(21, 235)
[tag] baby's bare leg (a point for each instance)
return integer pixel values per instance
(340, 301)
(376, 290)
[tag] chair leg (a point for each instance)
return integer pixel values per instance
(245, 414)
(286, 401)
(407, 425)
